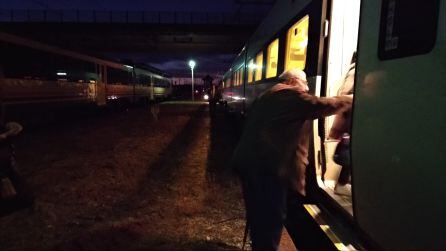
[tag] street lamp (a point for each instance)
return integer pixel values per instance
(192, 66)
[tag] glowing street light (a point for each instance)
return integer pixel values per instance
(192, 66)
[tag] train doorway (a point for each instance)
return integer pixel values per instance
(342, 45)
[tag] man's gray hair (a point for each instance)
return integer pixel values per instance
(293, 73)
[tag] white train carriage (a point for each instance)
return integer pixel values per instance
(397, 142)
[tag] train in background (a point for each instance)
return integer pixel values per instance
(397, 150)
(32, 72)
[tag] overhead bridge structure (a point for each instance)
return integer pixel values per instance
(133, 31)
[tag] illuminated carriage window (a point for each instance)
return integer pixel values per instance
(241, 75)
(250, 70)
(259, 66)
(236, 78)
(296, 47)
(271, 63)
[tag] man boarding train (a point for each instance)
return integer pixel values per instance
(272, 154)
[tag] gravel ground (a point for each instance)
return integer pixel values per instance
(128, 181)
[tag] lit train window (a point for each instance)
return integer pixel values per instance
(407, 28)
(241, 75)
(250, 70)
(237, 78)
(234, 78)
(296, 47)
(259, 66)
(271, 63)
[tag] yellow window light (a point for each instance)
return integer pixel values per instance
(259, 66)
(272, 59)
(234, 79)
(296, 48)
(251, 67)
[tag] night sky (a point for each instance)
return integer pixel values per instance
(213, 64)
(158, 5)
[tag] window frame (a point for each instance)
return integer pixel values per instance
(288, 38)
(257, 76)
(275, 42)
(250, 71)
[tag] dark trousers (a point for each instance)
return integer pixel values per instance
(265, 202)
(344, 176)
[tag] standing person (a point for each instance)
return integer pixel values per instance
(341, 131)
(272, 153)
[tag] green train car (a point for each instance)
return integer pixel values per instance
(397, 142)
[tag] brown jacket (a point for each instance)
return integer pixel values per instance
(277, 132)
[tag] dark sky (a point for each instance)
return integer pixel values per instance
(160, 5)
(207, 64)
(176, 65)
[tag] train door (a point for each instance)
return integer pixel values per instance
(342, 44)
(398, 147)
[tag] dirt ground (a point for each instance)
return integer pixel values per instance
(129, 181)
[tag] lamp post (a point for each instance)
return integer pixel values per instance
(192, 66)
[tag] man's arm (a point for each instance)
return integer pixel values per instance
(319, 107)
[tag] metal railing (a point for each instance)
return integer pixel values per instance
(136, 17)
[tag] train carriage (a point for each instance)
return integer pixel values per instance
(33, 72)
(397, 152)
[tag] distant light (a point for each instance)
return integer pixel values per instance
(196, 91)
(206, 97)
(128, 66)
(252, 66)
(61, 74)
(238, 98)
(192, 64)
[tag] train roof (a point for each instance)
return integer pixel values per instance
(5, 37)
(278, 18)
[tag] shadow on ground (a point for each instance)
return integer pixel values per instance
(119, 238)
(189, 198)
(224, 134)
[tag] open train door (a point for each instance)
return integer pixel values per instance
(304, 49)
(338, 72)
(306, 42)
(332, 40)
